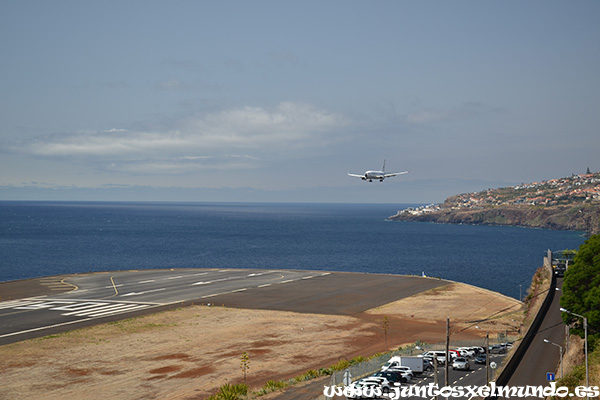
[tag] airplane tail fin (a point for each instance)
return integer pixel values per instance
(383, 168)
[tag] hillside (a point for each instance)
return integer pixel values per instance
(571, 203)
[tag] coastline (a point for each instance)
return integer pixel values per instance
(555, 218)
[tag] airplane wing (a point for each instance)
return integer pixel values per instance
(355, 175)
(395, 173)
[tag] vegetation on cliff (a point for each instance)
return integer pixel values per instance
(581, 290)
(571, 203)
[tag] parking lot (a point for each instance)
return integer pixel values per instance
(470, 370)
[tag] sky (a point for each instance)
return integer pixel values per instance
(279, 100)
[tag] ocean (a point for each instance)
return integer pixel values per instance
(51, 238)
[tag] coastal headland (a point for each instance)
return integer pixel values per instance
(187, 353)
(571, 203)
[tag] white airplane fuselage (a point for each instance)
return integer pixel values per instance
(370, 175)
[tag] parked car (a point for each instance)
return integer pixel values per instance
(439, 355)
(406, 372)
(498, 348)
(461, 363)
(480, 359)
(467, 352)
(366, 383)
(395, 378)
(455, 353)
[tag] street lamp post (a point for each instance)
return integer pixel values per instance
(561, 354)
(587, 375)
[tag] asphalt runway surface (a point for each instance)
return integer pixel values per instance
(44, 306)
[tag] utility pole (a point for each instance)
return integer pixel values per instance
(435, 376)
(487, 358)
(447, 350)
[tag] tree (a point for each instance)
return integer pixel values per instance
(581, 289)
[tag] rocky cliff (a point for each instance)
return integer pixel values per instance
(558, 217)
(571, 203)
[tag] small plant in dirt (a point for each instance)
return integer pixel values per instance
(385, 325)
(245, 364)
(230, 392)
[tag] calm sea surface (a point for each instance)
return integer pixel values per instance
(50, 238)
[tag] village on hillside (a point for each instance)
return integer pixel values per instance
(571, 190)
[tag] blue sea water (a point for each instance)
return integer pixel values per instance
(51, 238)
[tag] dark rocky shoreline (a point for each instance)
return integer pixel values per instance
(579, 217)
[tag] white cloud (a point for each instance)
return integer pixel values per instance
(248, 133)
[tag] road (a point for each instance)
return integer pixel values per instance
(542, 357)
(51, 305)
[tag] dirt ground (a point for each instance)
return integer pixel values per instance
(190, 352)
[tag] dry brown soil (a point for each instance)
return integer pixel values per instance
(190, 352)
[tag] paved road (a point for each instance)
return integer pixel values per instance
(542, 357)
(49, 305)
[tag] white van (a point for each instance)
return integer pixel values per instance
(438, 354)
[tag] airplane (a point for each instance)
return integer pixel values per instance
(381, 175)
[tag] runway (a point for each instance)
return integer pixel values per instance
(51, 305)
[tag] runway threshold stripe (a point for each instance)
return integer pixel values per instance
(121, 310)
(96, 310)
(45, 327)
(17, 303)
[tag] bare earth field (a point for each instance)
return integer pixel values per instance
(190, 352)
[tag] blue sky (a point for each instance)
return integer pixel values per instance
(278, 100)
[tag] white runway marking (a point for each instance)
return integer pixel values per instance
(140, 293)
(77, 308)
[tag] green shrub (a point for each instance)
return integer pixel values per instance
(340, 365)
(575, 378)
(230, 392)
(272, 385)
